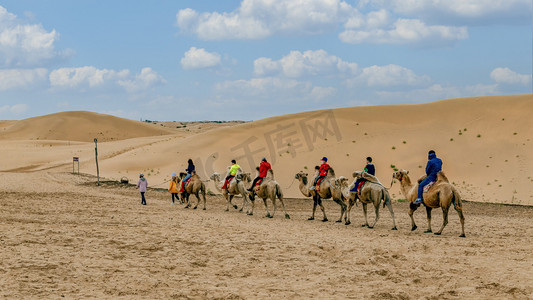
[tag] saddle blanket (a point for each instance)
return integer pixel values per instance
(428, 186)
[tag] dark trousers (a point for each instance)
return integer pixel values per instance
(357, 182)
(143, 200)
(254, 182)
(424, 183)
(176, 196)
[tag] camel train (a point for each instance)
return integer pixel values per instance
(441, 194)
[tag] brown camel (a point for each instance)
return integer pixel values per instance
(329, 188)
(371, 192)
(194, 187)
(269, 189)
(235, 187)
(442, 194)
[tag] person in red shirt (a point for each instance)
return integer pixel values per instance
(264, 166)
(322, 171)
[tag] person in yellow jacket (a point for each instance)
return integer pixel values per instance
(173, 188)
(232, 173)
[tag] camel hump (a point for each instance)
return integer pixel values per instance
(441, 177)
(370, 177)
(331, 173)
(270, 174)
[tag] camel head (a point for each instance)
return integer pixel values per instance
(301, 175)
(215, 176)
(399, 175)
(247, 176)
(341, 181)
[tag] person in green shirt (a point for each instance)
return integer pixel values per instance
(232, 173)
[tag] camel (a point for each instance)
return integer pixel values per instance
(195, 187)
(371, 192)
(442, 194)
(235, 187)
(269, 189)
(329, 188)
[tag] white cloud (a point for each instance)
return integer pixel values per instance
(21, 78)
(146, 79)
(256, 19)
(25, 44)
(90, 77)
(506, 75)
(199, 58)
(274, 89)
(463, 11)
(84, 76)
(386, 76)
(308, 63)
(16, 109)
(406, 31)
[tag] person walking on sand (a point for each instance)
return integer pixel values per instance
(173, 188)
(142, 184)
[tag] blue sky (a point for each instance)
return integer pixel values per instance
(224, 60)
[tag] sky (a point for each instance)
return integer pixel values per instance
(247, 60)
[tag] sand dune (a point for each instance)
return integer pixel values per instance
(61, 236)
(80, 126)
(485, 143)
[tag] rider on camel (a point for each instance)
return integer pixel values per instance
(232, 173)
(322, 171)
(433, 167)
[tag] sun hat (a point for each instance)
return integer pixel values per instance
(173, 174)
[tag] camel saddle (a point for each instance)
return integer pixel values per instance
(428, 186)
(319, 181)
(257, 186)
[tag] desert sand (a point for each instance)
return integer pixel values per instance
(63, 236)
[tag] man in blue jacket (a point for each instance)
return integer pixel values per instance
(433, 167)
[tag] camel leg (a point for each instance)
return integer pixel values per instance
(389, 206)
(376, 208)
(253, 206)
(462, 219)
(343, 208)
(231, 201)
(273, 199)
(186, 199)
(205, 200)
(444, 221)
(266, 208)
(197, 202)
(348, 212)
(322, 207)
(364, 213)
(428, 213)
(228, 201)
(284, 210)
(315, 202)
(244, 195)
(412, 209)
